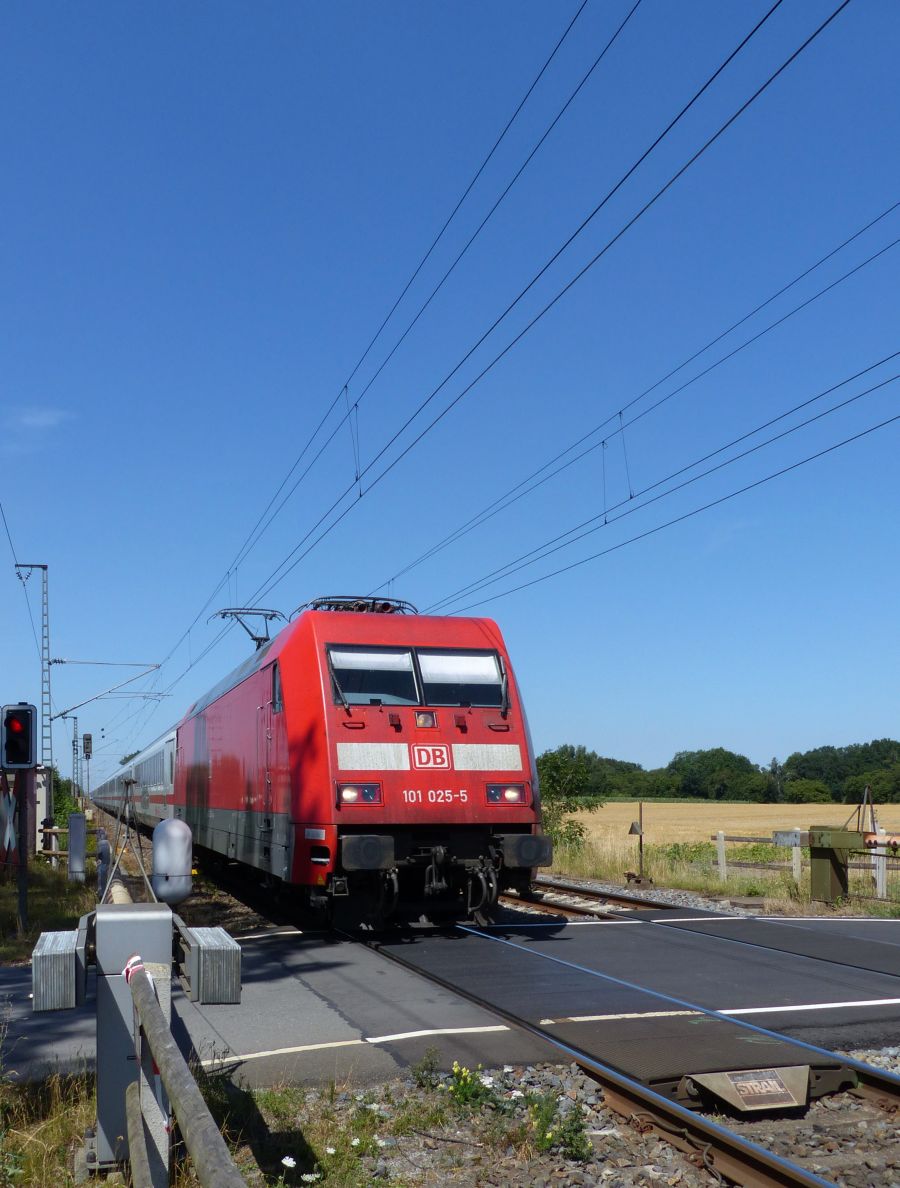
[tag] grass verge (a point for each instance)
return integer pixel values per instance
(691, 866)
(53, 904)
(40, 1126)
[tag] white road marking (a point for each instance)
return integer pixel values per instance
(768, 1010)
(702, 919)
(774, 919)
(566, 923)
(827, 919)
(270, 932)
(627, 1015)
(242, 1057)
(812, 1006)
(402, 1035)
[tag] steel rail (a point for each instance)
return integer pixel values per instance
(740, 1160)
(551, 908)
(636, 901)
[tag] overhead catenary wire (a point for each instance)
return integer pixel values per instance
(685, 515)
(12, 549)
(589, 219)
(289, 563)
(249, 539)
(292, 559)
(521, 489)
(353, 409)
(509, 186)
(555, 543)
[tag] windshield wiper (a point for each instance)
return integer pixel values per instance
(337, 685)
(504, 689)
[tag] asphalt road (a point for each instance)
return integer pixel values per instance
(316, 1007)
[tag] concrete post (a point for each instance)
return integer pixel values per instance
(720, 852)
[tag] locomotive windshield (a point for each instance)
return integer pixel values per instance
(370, 677)
(461, 678)
(422, 676)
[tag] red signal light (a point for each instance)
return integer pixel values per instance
(18, 736)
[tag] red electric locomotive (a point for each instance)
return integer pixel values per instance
(366, 752)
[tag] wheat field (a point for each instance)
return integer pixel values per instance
(666, 822)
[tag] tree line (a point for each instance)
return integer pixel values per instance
(823, 775)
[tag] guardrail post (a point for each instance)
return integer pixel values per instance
(879, 866)
(121, 929)
(153, 1135)
(209, 1153)
(720, 853)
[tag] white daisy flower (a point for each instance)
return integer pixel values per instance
(289, 1161)
(354, 1142)
(329, 1150)
(310, 1177)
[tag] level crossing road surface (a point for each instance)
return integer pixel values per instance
(315, 1007)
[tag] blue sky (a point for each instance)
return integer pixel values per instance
(208, 212)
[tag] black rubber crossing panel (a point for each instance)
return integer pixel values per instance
(666, 1049)
(668, 1042)
(837, 949)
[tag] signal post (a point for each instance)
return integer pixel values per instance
(18, 753)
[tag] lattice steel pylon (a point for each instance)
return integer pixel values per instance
(46, 723)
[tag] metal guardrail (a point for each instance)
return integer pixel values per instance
(841, 863)
(142, 1077)
(211, 1158)
(795, 866)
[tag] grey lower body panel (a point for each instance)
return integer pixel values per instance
(261, 840)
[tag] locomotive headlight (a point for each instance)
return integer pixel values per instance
(506, 793)
(359, 794)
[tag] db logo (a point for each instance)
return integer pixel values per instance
(437, 755)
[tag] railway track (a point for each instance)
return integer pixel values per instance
(558, 897)
(728, 1153)
(549, 884)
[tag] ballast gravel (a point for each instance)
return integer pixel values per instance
(489, 1144)
(681, 899)
(842, 1139)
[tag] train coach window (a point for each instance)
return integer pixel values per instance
(461, 678)
(277, 698)
(373, 676)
